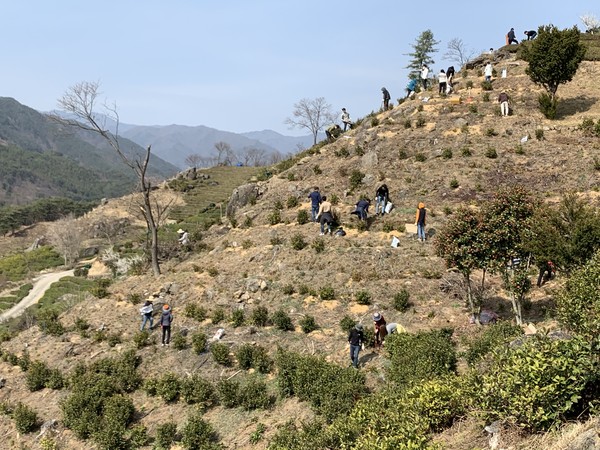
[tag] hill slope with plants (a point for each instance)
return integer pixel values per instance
(262, 303)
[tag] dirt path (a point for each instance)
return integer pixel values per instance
(40, 286)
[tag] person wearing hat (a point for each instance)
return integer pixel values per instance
(356, 338)
(380, 329)
(503, 100)
(184, 237)
(146, 312)
(165, 323)
(386, 98)
(420, 221)
(346, 119)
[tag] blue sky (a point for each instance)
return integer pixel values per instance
(240, 65)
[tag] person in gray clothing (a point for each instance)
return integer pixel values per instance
(165, 323)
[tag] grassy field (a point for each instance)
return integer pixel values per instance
(592, 41)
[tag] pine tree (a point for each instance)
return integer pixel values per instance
(423, 47)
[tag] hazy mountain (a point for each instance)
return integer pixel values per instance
(285, 144)
(40, 158)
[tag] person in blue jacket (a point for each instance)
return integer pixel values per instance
(315, 201)
(411, 87)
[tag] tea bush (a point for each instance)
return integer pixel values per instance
(454, 184)
(227, 391)
(199, 341)
(327, 293)
(282, 321)
(274, 218)
(420, 157)
(179, 341)
(287, 289)
(318, 245)
(486, 85)
(195, 311)
(401, 301)
(165, 435)
(197, 390)
(491, 153)
(420, 356)
(292, 201)
(140, 339)
(420, 123)
(489, 339)
(447, 153)
(548, 105)
(220, 353)
(237, 318)
(254, 395)
(198, 434)
(26, 419)
(49, 323)
(363, 298)
(168, 387)
(297, 241)
(347, 323)
(356, 178)
(308, 324)
(217, 316)
(260, 316)
(302, 217)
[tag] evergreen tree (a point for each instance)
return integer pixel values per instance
(423, 47)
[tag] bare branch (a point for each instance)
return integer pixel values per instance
(458, 52)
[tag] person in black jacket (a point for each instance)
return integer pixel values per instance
(510, 37)
(531, 34)
(355, 339)
(386, 98)
(382, 196)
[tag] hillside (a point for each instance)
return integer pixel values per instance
(41, 158)
(429, 150)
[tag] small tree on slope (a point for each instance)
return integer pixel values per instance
(423, 48)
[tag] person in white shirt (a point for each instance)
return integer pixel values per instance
(442, 80)
(346, 119)
(488, 71)
(424, 76)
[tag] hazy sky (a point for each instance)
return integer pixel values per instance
(240, 65)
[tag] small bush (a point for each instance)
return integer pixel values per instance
(356, 178)
(454, 183)
(402, 154)
(297, 241)
(491, 153)
(469, 84)
(490, 132)
(420, 108)
(318, 245)
(276, 240)
(334, 200)
(359, 151)
(548, 105)
(539, 134)
(260, 316)
(473, 109)
(519, 150)
(217, 316)
(274, 218)
(374, 121)
(37, 375)
(179, 341)
(401, 301)
(302, 217)
(49, 323)
(237, 318)
(197, 390)
(141, 339)
(199, 341)
(288, 289)
(342, 152)
(220, 353)
(486, 97)
(248, 222)
(168, 387)
(327, 293)
(212, 271)
(254, 395)
(228, 392)
(81, 324)
(347, 323)
(486, 86)
(407, 124)
(317, 170)
(363, 298)
(26, 419)
(308, 324)
(197, 434)
(489, 339)
(420, 123)
(195, 311)
(165, 435)
(466, 152)
(292, 201)
(247, 243)
(113, 339)
(282, 321)
(447, 153)
(420, 157)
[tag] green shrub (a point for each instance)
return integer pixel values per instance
(274, 218)
(420, 157)
(257, 435)
(303, 289)
(490, 338)
(37, 375)
(141, 339)
(466, 152)
(312, 435)
(327, 293)
(248, 222)
(165, 435)
(473, 108)
(490, 132)
(168, 387)
(334, 199)
(420, 108)
(81, 324)
(548, 105)
(356, 178)
(113, 339)
(319, 245)
(237, 318)
(179, 341)
(491, 153)
(363, 298)
(486, 97)
(297, 241)
(292, 201)
(347, 323)
(195, 311)
(247, 243)
(244, 356)
(454, 183)
(308, 324)
(539, 134)
(282, 321)
(212, 271)
(342, 152)
(227, 391)
(401, 301)
(374, 121)
(486, 85)
(287, 289)
(317, 170)
(254, 395)
(469, 84)
(197, 434)
(519, 150)
(260, 316)
(217, 316)
(536, 384)
(447, 153)
(49, 323)
(197, 390)
(359, 151)
(278, 205)
(420, 123)
(220, 353)
(199, 341)
(302, 217)
(420, 356)
(26, 419)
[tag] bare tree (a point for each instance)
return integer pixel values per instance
(459, 52)
(591, 22)
(193, 159)
(312, 115)
(65, 235)
(224, 153)
(257, 156)
(80, 101)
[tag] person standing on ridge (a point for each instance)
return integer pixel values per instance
(531, 34)
(420, 222)
(315, 201)
(146, 312)
(510, 37)
(166, 319)
(346, 119)
(355, 339)
(382, 196)
(503, 100)
(488, 71)
(424, 76)
(325, 215)
(386, 98)
(442, 80)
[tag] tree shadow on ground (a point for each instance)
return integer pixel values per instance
(572, 106)
(533, 311)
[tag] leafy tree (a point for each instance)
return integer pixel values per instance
(553, 58)
(65, 235)
(423, 48)
(458, 52)
(311, 114)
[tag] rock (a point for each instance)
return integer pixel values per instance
(245, 297)
(252, 285)
(2, 382)
(241, 196)
(238, 294)
(589, 440)
(460, 122)
(369, 160)
(368, 179)
(263, 285)
(174, 288)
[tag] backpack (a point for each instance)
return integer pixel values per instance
(340, 232)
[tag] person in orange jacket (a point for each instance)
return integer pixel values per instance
(420, 222)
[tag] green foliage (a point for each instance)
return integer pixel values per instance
(466, 152)
(141, 339)
(487, 86)
(49, 323)
(297, 241)
(26, 419)
(342, 152)
(165, 435)
(401, 301)
(197, 390)
(18, 266)
(330, 389)
(217, 316)
(179, 341)
(334, 199)
(420, 157)
(308, 324)
(486, 96)
(275, 217)
(490, 132)
(228, 392)
(420, 356)
(539, 134)
(40, 376)
(260, 316)
(589, 128)
(302, 217)
(420, 123)
(469, 84)
(288, 289)
(282, 320)
(473, 108)
(454, 184)
(553, 57)
(318, 245)
(374, 121)
(489, 339)
(197, 434)
(199, 341)
(276, 240)
(548, 105)
(257, 435)
(447, 153)
(254, 395)
(195, 311)
(168, 387)
(327, 293)
(220, 353)
(578, 303)
(237, 318)
(278, 205)
(356, 178)
(252, 356)
(423, 47)
(347, 323)
(537, 383)
(363, 298)
(491, 153)
(292, 201)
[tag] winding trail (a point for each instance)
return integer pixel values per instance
(40, 286)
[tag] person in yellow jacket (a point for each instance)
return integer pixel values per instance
(420, 222)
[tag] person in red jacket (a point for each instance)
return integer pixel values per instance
(380, 329)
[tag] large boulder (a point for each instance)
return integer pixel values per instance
(241, 196)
